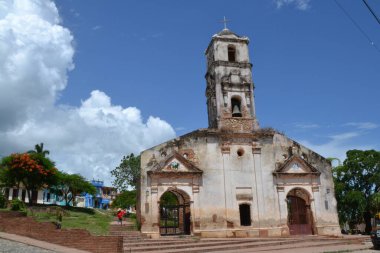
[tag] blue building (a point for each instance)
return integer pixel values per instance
(51, 198)
(102, 198)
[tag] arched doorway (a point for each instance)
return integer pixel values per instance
(300, 219)
(174, 213)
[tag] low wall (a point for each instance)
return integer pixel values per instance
(17, 223)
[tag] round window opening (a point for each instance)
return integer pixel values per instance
(240, 152)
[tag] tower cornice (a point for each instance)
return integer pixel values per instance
(226, 39)
(231, 64)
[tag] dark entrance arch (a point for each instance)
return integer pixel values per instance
(175, 213)
(300, 219)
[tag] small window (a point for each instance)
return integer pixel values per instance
(6, 193)
(326, 205)
(240, 152)
(236, 108)
(231, 53)
(245, 214)
(23, 195)
(15, 194)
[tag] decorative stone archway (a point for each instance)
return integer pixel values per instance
(300, 217)
(175, 217)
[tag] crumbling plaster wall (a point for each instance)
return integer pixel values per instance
(229, 180)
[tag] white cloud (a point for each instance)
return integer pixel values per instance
(97, 27)
(90, 139)
(344, 136)
(337, 145)
(362, 125)
(36, 54)
(306, 125)
(299, 4)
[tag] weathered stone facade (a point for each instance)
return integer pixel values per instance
(235, 179)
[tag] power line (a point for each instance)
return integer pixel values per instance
(358, 27)
(372, 12)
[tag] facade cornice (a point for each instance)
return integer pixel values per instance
(213, 132)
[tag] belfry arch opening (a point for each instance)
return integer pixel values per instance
(236, 107)
(231, 53)
(174, 213)
(300, 217)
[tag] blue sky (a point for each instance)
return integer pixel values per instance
(316, 75)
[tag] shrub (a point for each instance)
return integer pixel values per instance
(17, 205)
(3, 201)
(79, 209)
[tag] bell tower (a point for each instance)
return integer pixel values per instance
(229, 91)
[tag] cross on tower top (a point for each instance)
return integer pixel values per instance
(225, 22)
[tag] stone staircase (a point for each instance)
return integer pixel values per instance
(133, 241)
(128, 230)
(233, 245)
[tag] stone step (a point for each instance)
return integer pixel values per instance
(123, 226)
(131, 229)
(250, 246)
(124, 230)
(304, 247)
(127, 235)
(179, 240)
(194, 245)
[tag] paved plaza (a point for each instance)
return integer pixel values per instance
(11, 243)
(8, 246)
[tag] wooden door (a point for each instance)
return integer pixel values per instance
(298, 216)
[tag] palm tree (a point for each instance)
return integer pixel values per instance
(39, 149)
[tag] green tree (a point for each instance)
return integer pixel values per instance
(70, 185)
(33, 171)
(168, 198)
(39, 149)
(125, 199)
(375, 202)
(357, 183)
(127, 173)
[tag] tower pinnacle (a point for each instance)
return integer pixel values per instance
(225, 22)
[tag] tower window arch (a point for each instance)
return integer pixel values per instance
(231, 53)
(236, 107)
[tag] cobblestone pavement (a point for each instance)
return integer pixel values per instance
(7, 246)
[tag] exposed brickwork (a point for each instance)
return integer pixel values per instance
(16, 223)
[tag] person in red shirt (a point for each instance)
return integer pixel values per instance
(120, 214)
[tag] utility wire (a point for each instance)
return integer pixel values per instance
(358, 27)
(372, 12)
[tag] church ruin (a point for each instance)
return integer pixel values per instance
(234, 179)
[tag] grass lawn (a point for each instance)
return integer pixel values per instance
(96, 223)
